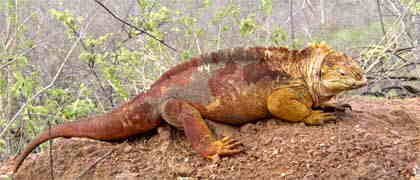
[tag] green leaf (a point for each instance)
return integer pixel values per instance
(78, 108)
(278, 36)
(86, 56)
(3, 85)
(247, 26)
(68, 19)
(185, 54)
(39, 109)
(267, 6)
(57, 92)
(207, 3)
(23, 85)
(22, 59)
(231, 10)
(85, 90)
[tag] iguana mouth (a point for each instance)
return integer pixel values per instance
(344, 84)
(359, 84)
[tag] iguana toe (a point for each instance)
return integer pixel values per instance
(229, 143)
(335, 108)
(224, 147)
(344, 106)
(318, 117)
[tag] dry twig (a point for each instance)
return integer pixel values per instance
(96, 162)
(134, 27)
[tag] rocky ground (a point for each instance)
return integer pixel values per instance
(378, 139)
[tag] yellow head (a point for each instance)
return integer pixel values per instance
(339, 73)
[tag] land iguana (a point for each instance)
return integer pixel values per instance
(231, 86)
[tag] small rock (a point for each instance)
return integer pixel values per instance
(164, 137)
(164, 132)
(183, 170)
(271, 123)
(127, 149)
(222, 130)
(127, 176)
(267, 140)
(248, 128)
(185, 178)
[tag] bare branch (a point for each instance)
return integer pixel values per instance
(12, 60)
(292, 26)
(381, 19)
(96, 162)
(8, 40)
(134, 27)
(9, 62)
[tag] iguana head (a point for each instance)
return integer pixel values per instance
(328, 72)
(340, 73)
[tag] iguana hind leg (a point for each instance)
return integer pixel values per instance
(184, 116)
(296, 106)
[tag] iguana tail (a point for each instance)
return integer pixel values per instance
(81, 128)
(110, 126)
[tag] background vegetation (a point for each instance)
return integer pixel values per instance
(62, 60)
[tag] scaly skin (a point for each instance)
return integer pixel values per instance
(232, 86)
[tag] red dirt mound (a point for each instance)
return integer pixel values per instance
(376, 140)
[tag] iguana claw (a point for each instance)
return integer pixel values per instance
(318, 117)
(225, 146)
(335, 108)
(229, 143)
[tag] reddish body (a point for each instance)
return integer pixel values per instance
(230, 86)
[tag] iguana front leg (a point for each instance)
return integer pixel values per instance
(182, 115)
(296, 105)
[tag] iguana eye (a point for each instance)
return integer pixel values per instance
(342, 72)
